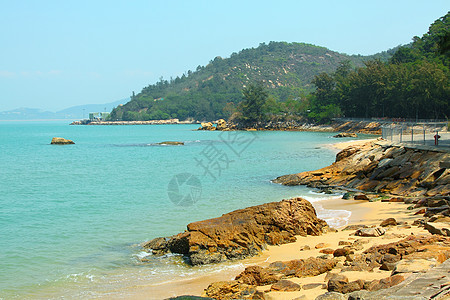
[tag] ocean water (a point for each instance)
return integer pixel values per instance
(72, 217)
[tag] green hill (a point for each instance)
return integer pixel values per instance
(285, 69)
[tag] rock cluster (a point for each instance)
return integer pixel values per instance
(414, 254)
(387, 256)
(275, 275)
(221, 125)
(242, 233)
(382, 168)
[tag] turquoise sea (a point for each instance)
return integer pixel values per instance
(72, 216)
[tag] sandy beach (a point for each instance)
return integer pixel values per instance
(362, 212)
(343, 145)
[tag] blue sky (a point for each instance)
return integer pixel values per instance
(56, 54)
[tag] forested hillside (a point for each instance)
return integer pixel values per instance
(413, 84)
(213, 91)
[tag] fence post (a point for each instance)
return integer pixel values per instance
(423, 134)
(412, 134)
(401, 134)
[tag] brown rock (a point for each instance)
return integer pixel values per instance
(243, 233)
(171, 143)
(207, 126)
(352, 286)
(361, 197)
(370, 232)
(388, 222)
(341, 252)
(347, 152)
(310, 286)
(355, 227)
(225, 290)
(384, 283)
(256, 275)
(408, 245)
(345, 134)
(321, 245)
(336, 283)
(397, 199)
(302, 267)
(440, 253)
(61, 141)
(440, 228)
(344, 243)
(327, 251)
(305, 247)
(436, 202)
(221, 124)
(285, 286)
(383, 168)
(421, 211)
(414, 266)
(339, 283)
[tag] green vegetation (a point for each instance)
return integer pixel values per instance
(255, 97)
(298, 80)
(414, 83)
(214, 91)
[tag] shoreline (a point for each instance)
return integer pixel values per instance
(362, 212)
(369, 213)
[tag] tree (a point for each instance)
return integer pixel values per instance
(254, 98)
(325, 92)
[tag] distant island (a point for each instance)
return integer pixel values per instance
(70, 113)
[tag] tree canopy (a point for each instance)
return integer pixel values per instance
(413, 84)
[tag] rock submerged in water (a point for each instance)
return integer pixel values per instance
(171, 143)
(345, 134)
(242, 233)
(61, 141)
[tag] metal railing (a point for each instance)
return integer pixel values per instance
(430, 134)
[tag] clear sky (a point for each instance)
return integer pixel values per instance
(56, 54)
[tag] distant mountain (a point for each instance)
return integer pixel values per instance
(71, 113)
(286, 69)
(77, 112)
(24, 113)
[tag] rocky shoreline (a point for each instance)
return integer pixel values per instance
(345, 127)
(381, 167)
(355, 266)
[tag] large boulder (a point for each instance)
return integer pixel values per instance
(207, 126)
(242, 233)
(61, 141)
(221, 124)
